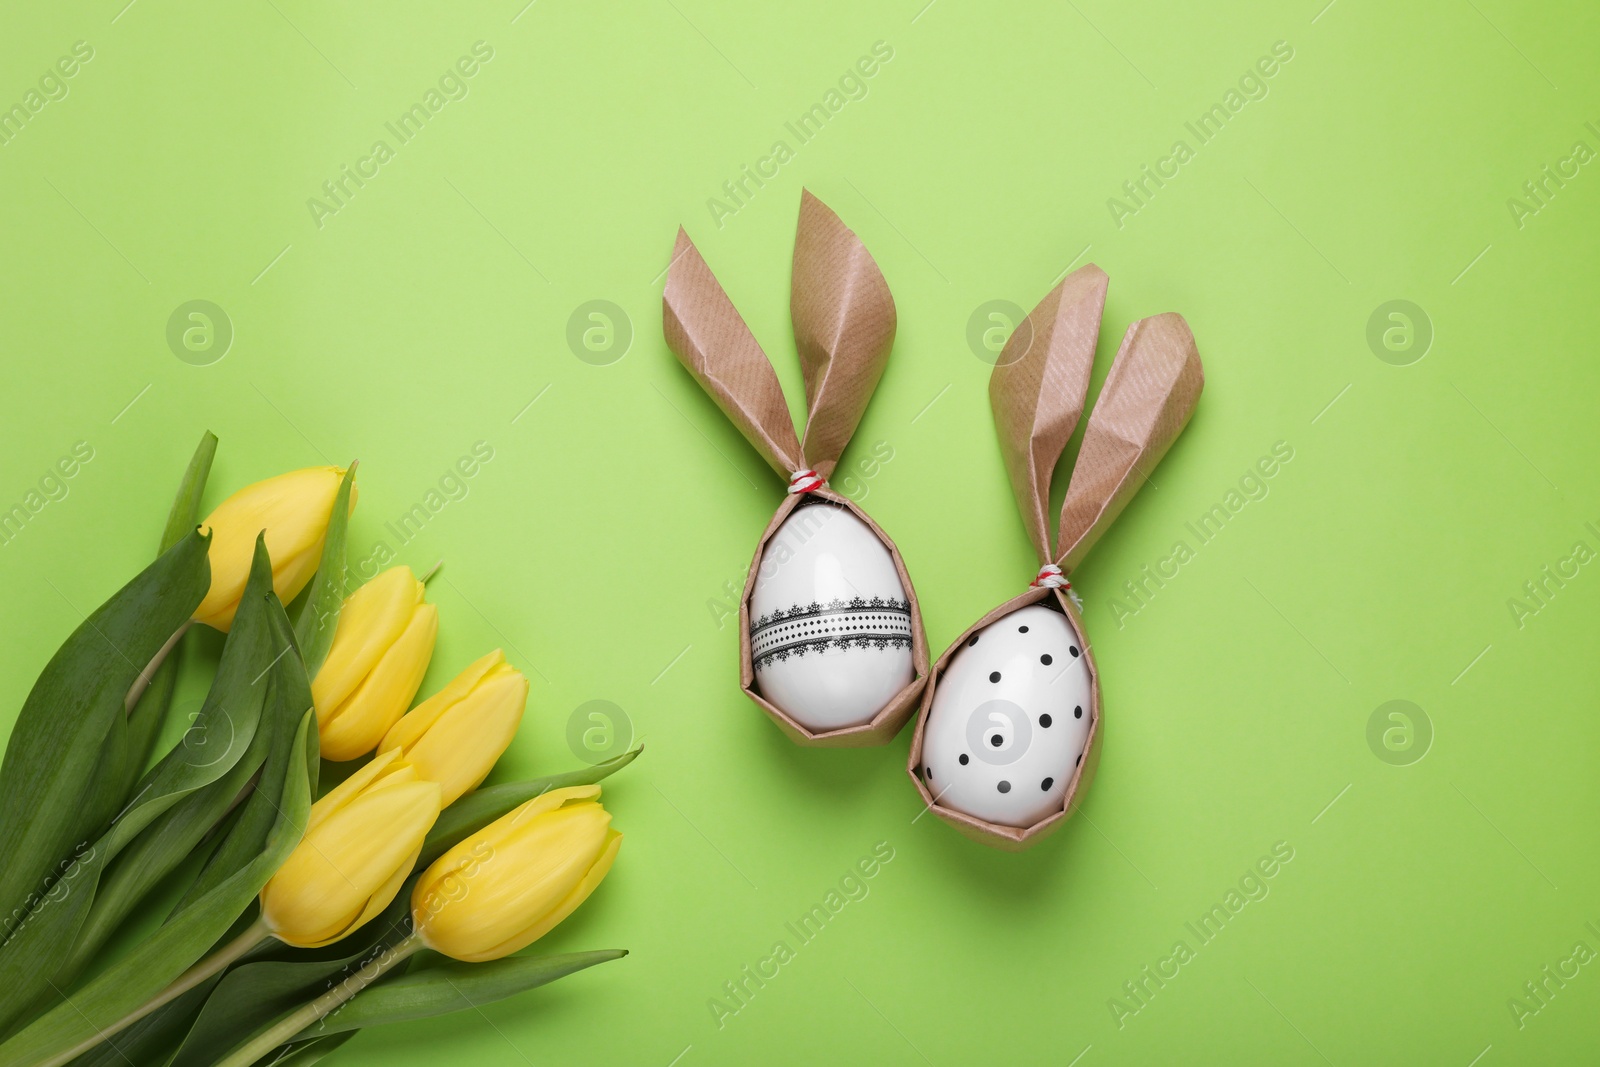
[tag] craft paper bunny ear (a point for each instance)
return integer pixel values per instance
(710, 338)
(831, 640)
(1146, 402)
(1037, 390)
(844, 323)
(1009, 733)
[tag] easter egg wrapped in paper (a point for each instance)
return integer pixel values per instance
(830, 625)
(831, 639)
(1010, 720)
(1008, 734)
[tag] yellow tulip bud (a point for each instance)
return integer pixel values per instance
(380, 651)
(293, 509)
(455, 736)
(510, 883)
(360, 844)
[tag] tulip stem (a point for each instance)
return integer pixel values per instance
(213, 964)
(426, 578)
(309, 1014)
(142, 682)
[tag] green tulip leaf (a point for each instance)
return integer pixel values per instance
(448, 985)
(480, 808)
(150, 1041)
(55, 794)
(186, 793)
(308, 1052)
(174, 836)
(290, 700)
(319, 610)
(254, 995)
(185, 511)
(182, 829)
(150, 713)
(100, 1007)
(153, 1040)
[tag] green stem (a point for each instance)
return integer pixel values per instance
(142, 682)
(206, 968)
(291, 1025)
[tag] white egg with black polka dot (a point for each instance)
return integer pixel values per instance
(1009, 720)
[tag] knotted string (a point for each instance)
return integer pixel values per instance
(806, 481)
(1050, 577)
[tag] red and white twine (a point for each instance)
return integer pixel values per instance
(806, 481)
(1051, 577)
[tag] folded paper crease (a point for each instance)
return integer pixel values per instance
(1146, 401)
(1038, 391)
(711, 340)
(844, 326)
(1038, 387)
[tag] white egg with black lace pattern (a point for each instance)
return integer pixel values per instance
(830, 622)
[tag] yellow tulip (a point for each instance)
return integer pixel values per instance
(510, 883)
(293, 509)
(380, 651)
(455, 736)
(360, 844)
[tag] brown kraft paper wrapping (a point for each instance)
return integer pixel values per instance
(1037, 391)
(844, 325)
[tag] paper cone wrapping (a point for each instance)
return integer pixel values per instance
(1037, 391)
(844, 325)
(1012, 838)
(889, 721)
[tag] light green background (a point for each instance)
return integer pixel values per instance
(432, 309)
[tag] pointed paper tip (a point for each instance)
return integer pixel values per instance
(811, 200)
(1090, 272)
(681, 247)
(1170, 325)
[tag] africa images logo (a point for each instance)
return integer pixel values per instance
(338, 191)
(738, 191)
(53, 88)
(1137, 192)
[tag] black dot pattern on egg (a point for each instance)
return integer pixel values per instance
(987, 746)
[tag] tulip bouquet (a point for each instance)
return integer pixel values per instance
(403, 891)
